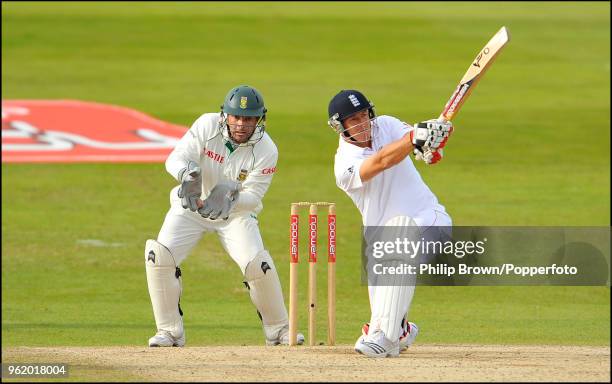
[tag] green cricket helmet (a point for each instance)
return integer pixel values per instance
(244, 101)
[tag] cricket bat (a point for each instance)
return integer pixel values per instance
(477, 69)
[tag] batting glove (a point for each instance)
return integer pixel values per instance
(428, 138)
(429, 156)
(431, 133)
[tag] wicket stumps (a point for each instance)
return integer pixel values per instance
(312, 275)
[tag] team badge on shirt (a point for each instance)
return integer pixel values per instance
(243, 102)
(243, 175)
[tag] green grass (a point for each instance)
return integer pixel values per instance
(531, 147)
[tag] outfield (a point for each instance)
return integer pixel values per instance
(531, 147)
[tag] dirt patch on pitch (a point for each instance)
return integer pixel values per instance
(419, 363)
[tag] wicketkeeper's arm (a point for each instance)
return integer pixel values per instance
(256, 184)
(187, 149)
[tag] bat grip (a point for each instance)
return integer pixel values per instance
(441, 118)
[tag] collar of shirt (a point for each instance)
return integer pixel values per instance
(230, 146)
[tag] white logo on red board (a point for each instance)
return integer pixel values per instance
(74, 131)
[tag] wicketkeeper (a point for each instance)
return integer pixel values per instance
(224, 165)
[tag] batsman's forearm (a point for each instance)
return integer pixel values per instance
(395, 152)
(387, 157)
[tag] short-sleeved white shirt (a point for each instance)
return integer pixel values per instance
(397, 191)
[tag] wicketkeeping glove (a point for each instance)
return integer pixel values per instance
(222, 199)
(191, 186)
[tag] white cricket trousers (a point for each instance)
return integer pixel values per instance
(239, 235)
(390, 304)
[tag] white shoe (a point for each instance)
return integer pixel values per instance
(165, 339)
(283, 337)
(377, 345)
(408, 336)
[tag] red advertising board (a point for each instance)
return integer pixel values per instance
(77, 131)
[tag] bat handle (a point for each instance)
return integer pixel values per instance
(442, 118)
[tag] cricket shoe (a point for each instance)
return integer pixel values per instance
(165, 339)
(377, 345)
(407, 336)
(283, 337)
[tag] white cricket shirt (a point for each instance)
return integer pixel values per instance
(252, 165)
(397, 191)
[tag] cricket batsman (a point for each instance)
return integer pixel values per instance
(224, 165)
(372, 165)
